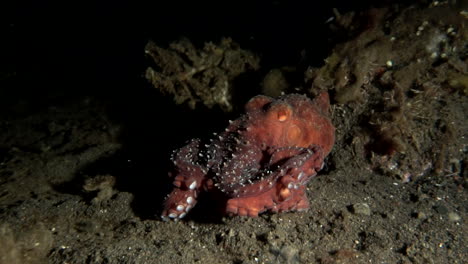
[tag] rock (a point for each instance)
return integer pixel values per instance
(454, 217)
(361, 209)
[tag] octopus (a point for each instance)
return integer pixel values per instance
(260, 163)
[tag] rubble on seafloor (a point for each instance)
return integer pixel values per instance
(409, 66)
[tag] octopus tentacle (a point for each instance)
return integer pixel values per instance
(188, 181)
(289, 182)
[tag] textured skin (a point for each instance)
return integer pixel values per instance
(261, 162)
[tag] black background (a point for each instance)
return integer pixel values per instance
(66, 48)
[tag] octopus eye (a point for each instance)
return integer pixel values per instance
(281, 112)
(282, 116)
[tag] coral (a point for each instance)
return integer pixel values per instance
(103, 185)
(196, 76)
(354, 63)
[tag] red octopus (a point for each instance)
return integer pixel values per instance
(261, 162)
